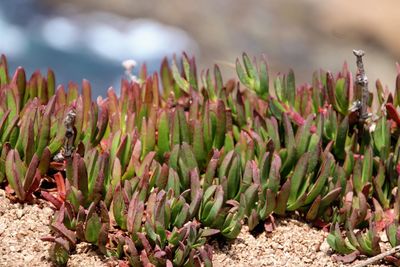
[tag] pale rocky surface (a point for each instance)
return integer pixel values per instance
(292, 243)
(22, 226)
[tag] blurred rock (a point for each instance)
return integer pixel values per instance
(304, 35)
(80, 45)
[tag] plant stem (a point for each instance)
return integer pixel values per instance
(69, 123)
(68, 149)
(378, 257)
(362, 83)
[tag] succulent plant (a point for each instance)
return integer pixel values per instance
(150, 175)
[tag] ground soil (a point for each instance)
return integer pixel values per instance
(292, 243)
(22, 226)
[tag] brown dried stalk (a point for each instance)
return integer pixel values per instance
(69, 122)
(378, 257)
(69, 139)
(362, 82)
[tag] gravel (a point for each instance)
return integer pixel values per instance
(292, 243)
(22, 226)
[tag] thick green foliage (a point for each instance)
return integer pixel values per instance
(157, 171)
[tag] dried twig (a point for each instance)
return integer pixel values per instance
(69, 139)
(362, 82)
(378, 257)
(69, 122)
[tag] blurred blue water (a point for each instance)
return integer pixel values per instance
(83, 46)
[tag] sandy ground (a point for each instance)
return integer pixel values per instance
(22, 226)
(292, 243)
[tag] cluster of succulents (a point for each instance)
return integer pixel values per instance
(150, 175)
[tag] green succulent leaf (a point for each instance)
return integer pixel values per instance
(92, 229)
(381, 137)
(290, 88)
(4, 78)
(14, 173)
(163, 142)
(341, 97)
(183, 84)
(216, 206)
(297, 177)
(321, 180)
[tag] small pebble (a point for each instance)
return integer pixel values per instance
(20, 213)
(3, 227)
(384, 237)
(324, 247)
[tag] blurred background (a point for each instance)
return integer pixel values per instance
(90, 38)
